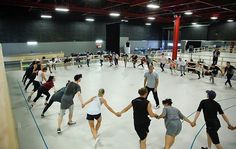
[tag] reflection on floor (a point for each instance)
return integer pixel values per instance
(121, 85)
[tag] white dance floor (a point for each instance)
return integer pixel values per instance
(121, 85)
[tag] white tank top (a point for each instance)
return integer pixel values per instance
(95, 106)
(39, 76)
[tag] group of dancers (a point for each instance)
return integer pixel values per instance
(141, 106)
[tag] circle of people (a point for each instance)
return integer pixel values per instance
(141, 106)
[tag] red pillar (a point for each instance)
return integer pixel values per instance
(176, 37)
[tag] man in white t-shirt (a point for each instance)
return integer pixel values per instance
(163, 61)
(151, 81)
(182, 65)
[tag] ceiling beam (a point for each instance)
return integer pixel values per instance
(215, 5)
(73, 8)
(139, 2)
(120, 1)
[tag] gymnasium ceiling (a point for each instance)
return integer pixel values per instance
(132, 10)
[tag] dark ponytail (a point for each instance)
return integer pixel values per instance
(50, 78)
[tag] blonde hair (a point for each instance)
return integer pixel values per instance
(101, 92)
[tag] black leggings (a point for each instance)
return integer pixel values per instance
(215, 60)
(36, 85)
(229, 76)
(88, 60)
(162, 65)
(154, 95)
(25, 77)
(48, 105)
(31, 79)
(42, 90)
(141, 64)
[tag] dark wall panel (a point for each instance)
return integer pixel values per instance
(141, 32)
(194, 33)
(225, 31)
(49, 31)
(220, 31)
(113, 37)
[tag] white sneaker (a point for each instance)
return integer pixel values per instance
(156, 107)
(28, 99)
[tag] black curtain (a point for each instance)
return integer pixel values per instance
(113, 37)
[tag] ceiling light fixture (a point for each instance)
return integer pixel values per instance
(61, 9)
(214, 18)
(230, 20)
(148, 24)
(151, 18)
(32, 43)
(90, 19)
(46, 16)
(188, 12)
(114, 14)
(153, 6)
(194, 23)
(124, 20)
(99, 41)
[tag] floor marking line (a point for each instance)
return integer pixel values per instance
(33, 116)
(203, 127)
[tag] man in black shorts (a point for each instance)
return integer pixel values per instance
(210, 109)
(142, 108)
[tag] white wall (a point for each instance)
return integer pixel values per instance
(45, 47)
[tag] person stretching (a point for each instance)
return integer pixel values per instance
(67, 101)
(210, 109)
(173, 124)
(142, 108)
(56, 97)
(94, 111)
(44, 89)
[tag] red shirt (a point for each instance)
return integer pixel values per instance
(48, 85)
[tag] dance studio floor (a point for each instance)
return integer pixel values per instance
(121, 85)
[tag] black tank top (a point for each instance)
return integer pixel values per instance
(140, 105)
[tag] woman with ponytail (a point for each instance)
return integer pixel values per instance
(44, 89)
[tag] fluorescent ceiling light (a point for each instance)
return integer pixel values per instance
(170, 44)
(46, 16)
(148, 24)
(151, 18)
(153, 6)
(214, 18)
(114, 14)
(230, 20)
(32, 43)
(99, 41)
(61, 9)
(194, 23)
(124, 20)
(89, 19)
(188, 13)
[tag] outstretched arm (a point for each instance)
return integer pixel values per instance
(80, 98)
(108, 107)
(196, 117)
(88, 101)
(44, 77)
(227, 121)
(126, 108)
(145, 81)
(150, 112)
